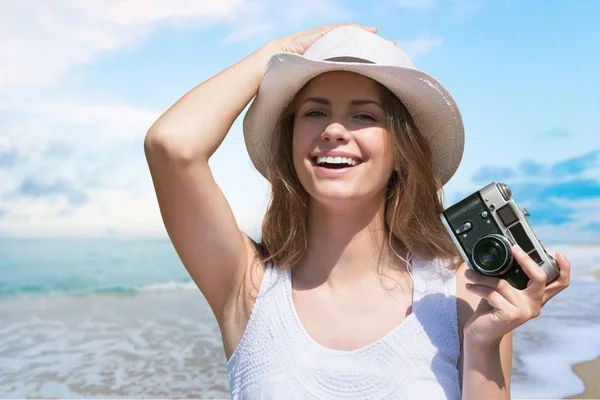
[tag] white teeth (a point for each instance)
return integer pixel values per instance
(336, 160)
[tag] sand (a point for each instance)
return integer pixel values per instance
(589, 373)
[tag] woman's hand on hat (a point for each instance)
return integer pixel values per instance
(300, 41)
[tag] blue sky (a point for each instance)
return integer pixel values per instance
(80, 87)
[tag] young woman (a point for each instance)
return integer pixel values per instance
(355, 290)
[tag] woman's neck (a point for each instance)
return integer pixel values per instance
(344, 244)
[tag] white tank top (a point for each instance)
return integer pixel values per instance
(276, 358)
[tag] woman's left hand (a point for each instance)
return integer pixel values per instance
(507, 307)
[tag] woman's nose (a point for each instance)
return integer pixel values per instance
(335, 132)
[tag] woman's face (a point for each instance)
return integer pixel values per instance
(341, 112)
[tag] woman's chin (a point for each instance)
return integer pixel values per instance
(339, 194)
(348, 187)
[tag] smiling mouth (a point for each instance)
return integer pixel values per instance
(335, 163)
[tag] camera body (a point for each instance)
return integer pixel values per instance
(485, 225)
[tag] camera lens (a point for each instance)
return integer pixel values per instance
(491, 255)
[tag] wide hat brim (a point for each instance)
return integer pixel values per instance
(431, 106)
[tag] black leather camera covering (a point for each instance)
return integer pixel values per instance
(471, 209)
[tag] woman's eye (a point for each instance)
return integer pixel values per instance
(317, 113)
(314, 113)
(366, 116)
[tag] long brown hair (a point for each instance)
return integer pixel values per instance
(412, 205)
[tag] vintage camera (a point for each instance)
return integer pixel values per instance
(485, 225)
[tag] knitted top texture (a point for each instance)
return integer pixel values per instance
(276, 358)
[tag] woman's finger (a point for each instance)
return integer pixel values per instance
(562, 282)
(537, 276)
(564, 266)
(500, 285)
(494, 298)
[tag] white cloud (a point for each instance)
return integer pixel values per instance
(110, 123)
(98, 152)
(244, 32)
(121, 198)
(315, 11)
(444, 10)
(566, 233)
(144, 12)
(419, 47)
(41, 39)
(110, 210)
(263, 18)
(582, 227)
(81, 145)
(82, 126)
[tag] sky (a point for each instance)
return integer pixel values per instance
(82, 81)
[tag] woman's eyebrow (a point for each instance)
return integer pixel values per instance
(363, 102)
(356, 102)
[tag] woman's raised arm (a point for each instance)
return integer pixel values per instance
(196, 215)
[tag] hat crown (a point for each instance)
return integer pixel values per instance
(348, 43)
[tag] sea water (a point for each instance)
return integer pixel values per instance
(98, 318)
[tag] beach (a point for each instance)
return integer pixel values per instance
(99, 319)
(589, 373)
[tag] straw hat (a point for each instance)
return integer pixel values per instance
(349, 48)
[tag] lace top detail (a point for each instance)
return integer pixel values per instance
(277, 358)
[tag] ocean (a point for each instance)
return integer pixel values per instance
(111, 317)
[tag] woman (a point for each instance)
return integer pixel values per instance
(355, 290)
